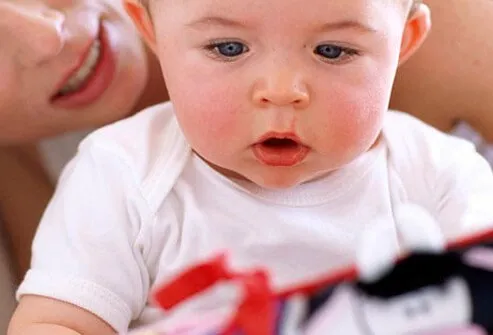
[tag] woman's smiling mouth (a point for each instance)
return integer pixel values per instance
(90, 79)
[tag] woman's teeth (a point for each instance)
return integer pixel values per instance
(79, 78)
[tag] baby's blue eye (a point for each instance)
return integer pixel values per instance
(230, 49)
(330, 51)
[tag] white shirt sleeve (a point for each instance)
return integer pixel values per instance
(443, 174)
(89, 249)
(463, 191)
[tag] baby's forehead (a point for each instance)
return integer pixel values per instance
(253, 7)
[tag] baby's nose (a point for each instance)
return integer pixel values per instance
(35, 34)
(282, 88)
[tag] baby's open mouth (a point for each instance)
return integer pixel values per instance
(279, 150)
(280, 143)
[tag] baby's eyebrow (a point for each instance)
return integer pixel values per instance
(208, 21)
(215, 21)
(346, 25)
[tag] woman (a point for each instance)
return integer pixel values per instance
(448, 82)
(70, 65)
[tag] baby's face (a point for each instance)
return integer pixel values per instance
(245, 74)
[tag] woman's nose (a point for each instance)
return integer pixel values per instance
(36, 33)
(282, 87)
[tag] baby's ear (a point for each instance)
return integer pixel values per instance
(415, 32)
(140, 16)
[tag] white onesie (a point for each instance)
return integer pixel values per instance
(136, 206)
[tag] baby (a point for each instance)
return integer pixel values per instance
(278, 147)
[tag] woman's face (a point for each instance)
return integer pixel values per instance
(66, 65)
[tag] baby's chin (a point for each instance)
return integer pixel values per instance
(272, 178)
(279, 180)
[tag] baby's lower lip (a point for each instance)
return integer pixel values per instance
(280, 155)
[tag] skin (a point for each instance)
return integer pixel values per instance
(450, 74)
(271, 87)
(25, 192)
(450, 77)
(432, 75)
(283, 84)
(46, 39)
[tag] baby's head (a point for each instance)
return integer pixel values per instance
(281, 91)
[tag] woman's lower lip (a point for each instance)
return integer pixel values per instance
(97, 83)
(280, 156)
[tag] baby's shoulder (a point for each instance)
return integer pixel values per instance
(423, 160)
(149, 145)
(136, 134)
(410, 141)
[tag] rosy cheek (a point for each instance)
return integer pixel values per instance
(353, 120)
(218, 124)
(211, 118)
(222, 117)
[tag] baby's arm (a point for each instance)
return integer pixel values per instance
(44, 316)
(87, 252)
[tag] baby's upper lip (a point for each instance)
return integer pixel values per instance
(280, 135)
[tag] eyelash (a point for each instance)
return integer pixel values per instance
(213, 50)
(346, 53)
